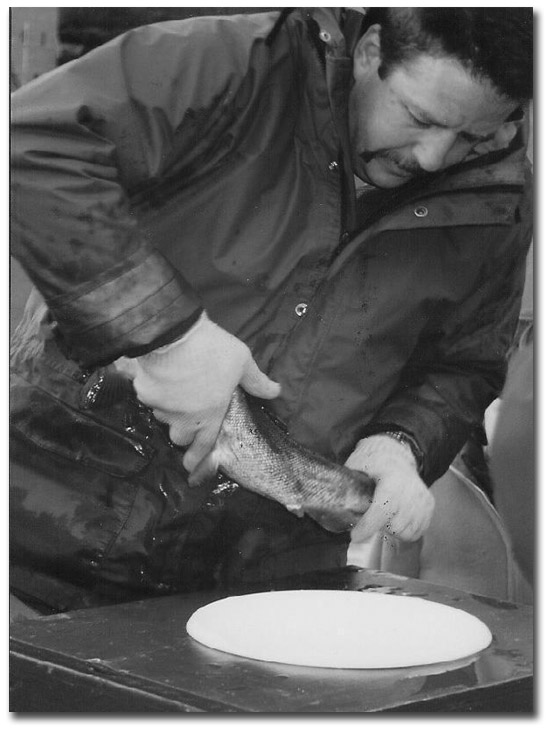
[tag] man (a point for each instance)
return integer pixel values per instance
(326, 207)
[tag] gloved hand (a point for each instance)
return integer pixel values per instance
(402, 504)
(189, 384)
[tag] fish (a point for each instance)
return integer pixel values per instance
(254, 451)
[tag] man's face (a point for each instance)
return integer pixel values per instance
(426, 115)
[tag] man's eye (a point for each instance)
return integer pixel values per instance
(417, 121)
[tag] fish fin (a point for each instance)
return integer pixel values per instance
(206, 469)
(210, 465)
(334, 522)
(296, 508)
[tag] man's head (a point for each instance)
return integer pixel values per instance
(433, 84)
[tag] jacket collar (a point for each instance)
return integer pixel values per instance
(339, 28)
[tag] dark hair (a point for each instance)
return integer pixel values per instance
(491, 43)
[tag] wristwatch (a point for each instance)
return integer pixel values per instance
(406, 440)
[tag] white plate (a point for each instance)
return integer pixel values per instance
(339, 629)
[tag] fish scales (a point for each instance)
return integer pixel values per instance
(253, 451)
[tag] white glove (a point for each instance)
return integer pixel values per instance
(402, 504)
(189, 383)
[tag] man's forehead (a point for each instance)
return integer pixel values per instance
(441, 92)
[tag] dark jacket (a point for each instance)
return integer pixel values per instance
(205, 163)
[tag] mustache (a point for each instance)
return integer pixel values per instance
(408, 165)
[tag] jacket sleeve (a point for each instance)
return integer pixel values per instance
(459, 365)
(85, 139)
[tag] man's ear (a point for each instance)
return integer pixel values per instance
(501, 140)
(366, 55)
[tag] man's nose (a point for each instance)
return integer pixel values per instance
(432, 149)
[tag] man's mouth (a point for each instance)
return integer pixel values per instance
(401, 169)
(405, 170)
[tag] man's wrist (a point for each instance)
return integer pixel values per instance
(167, 347)
(409, 442)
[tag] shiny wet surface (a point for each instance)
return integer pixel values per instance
(144, 645)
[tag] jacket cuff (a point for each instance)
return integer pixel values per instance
(147, 306)
(171, 336)
(436, 441)
(407, 440)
